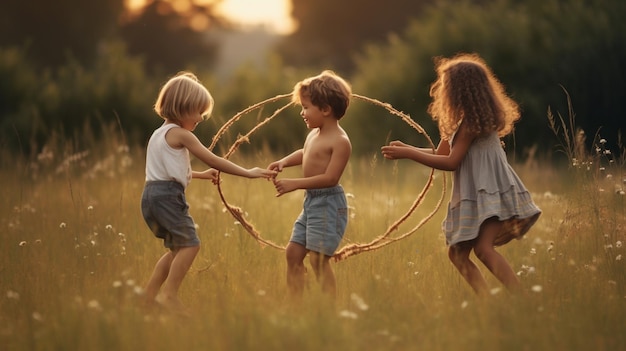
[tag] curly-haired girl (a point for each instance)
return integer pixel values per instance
(489, 205)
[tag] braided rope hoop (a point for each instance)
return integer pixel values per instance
(349, 249)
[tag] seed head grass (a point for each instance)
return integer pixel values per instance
(76, 254)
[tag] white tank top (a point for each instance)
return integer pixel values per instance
(164, 162)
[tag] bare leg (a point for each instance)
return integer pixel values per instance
(496, 263)
(183, 258)
(158, 277)
(295, 254)
(459, 255)
(324, 272)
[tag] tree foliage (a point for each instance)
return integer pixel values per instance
(330, 32)
(55, 30)
(170, 40)
(56, 79)
(533, 46)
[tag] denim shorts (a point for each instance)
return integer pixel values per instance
(322, 222)
(166, 212)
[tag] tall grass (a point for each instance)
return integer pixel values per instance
(76, 252)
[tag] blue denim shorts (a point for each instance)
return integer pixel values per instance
(166, 212)
(323, 220)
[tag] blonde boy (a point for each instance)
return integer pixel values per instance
(183, 102)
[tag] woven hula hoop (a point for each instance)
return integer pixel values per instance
(353, 248)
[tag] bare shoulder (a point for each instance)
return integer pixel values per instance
(342, 138)
(181, 137)
(340, 142)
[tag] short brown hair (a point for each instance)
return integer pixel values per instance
(326, 89)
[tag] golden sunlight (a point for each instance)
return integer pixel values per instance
(275, 15)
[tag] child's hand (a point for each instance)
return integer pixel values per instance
(395, 150)
(283, 186)
(276, 166)
(210, 174)
(258, 172)
(397, 143)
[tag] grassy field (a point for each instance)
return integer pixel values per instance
(76, 253)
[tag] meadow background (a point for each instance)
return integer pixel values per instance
(78, 80)
(76, 253)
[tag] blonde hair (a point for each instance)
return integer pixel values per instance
(182, 96)
(325, 89)
(466, 90)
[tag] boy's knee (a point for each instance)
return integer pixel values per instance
(317, 260)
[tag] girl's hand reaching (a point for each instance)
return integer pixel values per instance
(395, 150)
(398, 143)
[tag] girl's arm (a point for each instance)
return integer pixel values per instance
(447, 157)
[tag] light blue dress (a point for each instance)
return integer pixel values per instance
(486, 186)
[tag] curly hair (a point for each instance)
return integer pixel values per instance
(467, 90)
(325, 89)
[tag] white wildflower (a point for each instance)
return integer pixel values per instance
(348, 314)
(94, 305)
(359, 302)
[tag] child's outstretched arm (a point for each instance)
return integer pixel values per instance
(293, 159)
(195, 147)
(210, 174)
(446, 157)
(330, 176)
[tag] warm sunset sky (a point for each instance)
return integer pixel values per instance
(272, 13)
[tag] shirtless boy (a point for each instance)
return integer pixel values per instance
(324, 156)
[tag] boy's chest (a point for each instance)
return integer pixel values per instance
(318, 147)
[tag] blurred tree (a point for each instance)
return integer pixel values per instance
(55, 30)
(172, 38)
(330, 32)
(533, 47)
